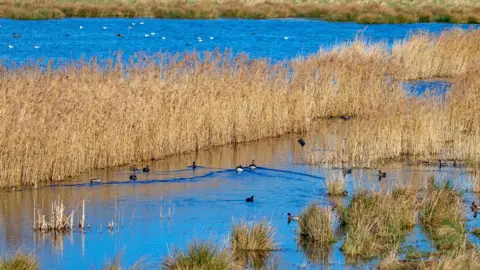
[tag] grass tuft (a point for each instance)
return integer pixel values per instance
(442, 217)
(19, 261)
(336, 186)
(376, 223)
(315, 225)
(253, 236)
(199, 256)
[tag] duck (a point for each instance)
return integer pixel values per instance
(95, 180)
(252, 166)
(81, 27)
(120, 35)
(455, 163)
(474, 207)
(133, 177)
(290, 217)
(15, 35)
(381, 174)
(345, 193)
(440, 164)
(346, 117)
(146, 169)
(301, 141)
(239, 168)
(194, 166)
(134, 169)
(346, 171)
(249, 199)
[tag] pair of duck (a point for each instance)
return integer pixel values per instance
(145, 169)
(252, 166)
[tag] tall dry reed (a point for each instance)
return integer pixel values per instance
(58, 122)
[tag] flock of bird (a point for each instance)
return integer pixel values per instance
(120, 35)
(253, 166)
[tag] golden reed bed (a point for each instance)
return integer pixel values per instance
(373, 11)
(58, 122)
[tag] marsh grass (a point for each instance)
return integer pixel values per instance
(316, 225)
(455, 260)
(339, 10)
(19, 261)
(253, 236)
(116, 264)
(442, 217)
(102, 113)
(376, 223)
(200, 256)
(336, 186)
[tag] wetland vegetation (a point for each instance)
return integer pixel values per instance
(60, 119)
(377, 11)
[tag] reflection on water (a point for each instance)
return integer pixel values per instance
(202, 204)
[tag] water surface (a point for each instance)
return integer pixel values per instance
(276, 39)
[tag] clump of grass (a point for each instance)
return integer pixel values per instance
(19, 261)
(336, 186)
(200, 256)
(442, 217)
(376, 223)
(253, 236)
(316, 225)
(476, 232)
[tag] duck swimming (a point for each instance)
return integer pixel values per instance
(250, 199)
(133, 177)
(252, 166)
(146, 169)
(239, 168)
(346, 171)
(290, 217)
(302, 142)
(194, 166)
(95, 180)
(381, 174)
(345, 193)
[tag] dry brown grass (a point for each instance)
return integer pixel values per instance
(60, 122)
(376, 11)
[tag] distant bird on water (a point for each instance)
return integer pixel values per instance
(146, 169)
(290, 217)
(10, 46)
(346, 171)
(381, 174)
(120, 35)
(36, 47)
(252, 166)
(81, 27)
(95, 180)
(15, 35)
(105, 28)
(133, 177)
(239, 168)
(302, 142)
(249, 199)
(194, 166)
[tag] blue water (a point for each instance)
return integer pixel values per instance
(276, 39)
(423, 86)
(204, 203)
